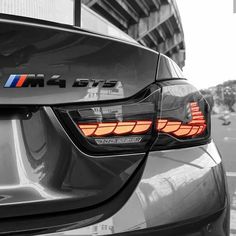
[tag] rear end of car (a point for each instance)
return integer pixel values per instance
(102, 136)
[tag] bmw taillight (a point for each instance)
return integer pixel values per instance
(112, 127)
(183, 119)
(163, 116)
(194, 127)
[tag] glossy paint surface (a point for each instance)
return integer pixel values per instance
(176, 185)
(49, 184)
(40, 167)
(70, 54)
(42, 172)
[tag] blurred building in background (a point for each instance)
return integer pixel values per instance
(154, 23)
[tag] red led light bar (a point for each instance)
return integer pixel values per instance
(115, 128)
(196, 126)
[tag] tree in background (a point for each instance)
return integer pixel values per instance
(219, 100)
(229, 97)
(209, 97)
(230, 94)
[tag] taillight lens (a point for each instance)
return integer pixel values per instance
(113, 127)
(168, 115)
(183, 119)
(193, 128)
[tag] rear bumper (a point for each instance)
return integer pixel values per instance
(215, 224)
(48, 185)
(181, 192)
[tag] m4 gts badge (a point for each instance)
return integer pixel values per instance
(33, 80)
(94, 83)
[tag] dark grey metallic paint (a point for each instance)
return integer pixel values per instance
(27, 49)
(175, 186)
(48, 185)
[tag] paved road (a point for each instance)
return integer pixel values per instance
(225, 138)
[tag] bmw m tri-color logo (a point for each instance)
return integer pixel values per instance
(38, 80)
(15, 81)
(32, 80)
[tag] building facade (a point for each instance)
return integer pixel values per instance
(154, 23)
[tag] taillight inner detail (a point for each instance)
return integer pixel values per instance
(115, 128)
(170, 114)
(196, 126)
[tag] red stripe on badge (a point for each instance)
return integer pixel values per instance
(21, 80)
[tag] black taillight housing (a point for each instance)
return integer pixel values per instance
(164, 115)
(113, 127)
(183, 118)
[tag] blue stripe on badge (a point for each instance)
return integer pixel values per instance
(9, 81)
(15, 80)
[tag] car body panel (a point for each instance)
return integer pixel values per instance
(54, 54)
(177, 186)
(48, 184)
(48, 169)
(58, 180)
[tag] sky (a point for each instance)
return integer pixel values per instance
(210, 38)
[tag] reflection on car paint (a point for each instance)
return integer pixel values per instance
(98, 93)
(171, 180)
(71, 55)
(41, 164)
